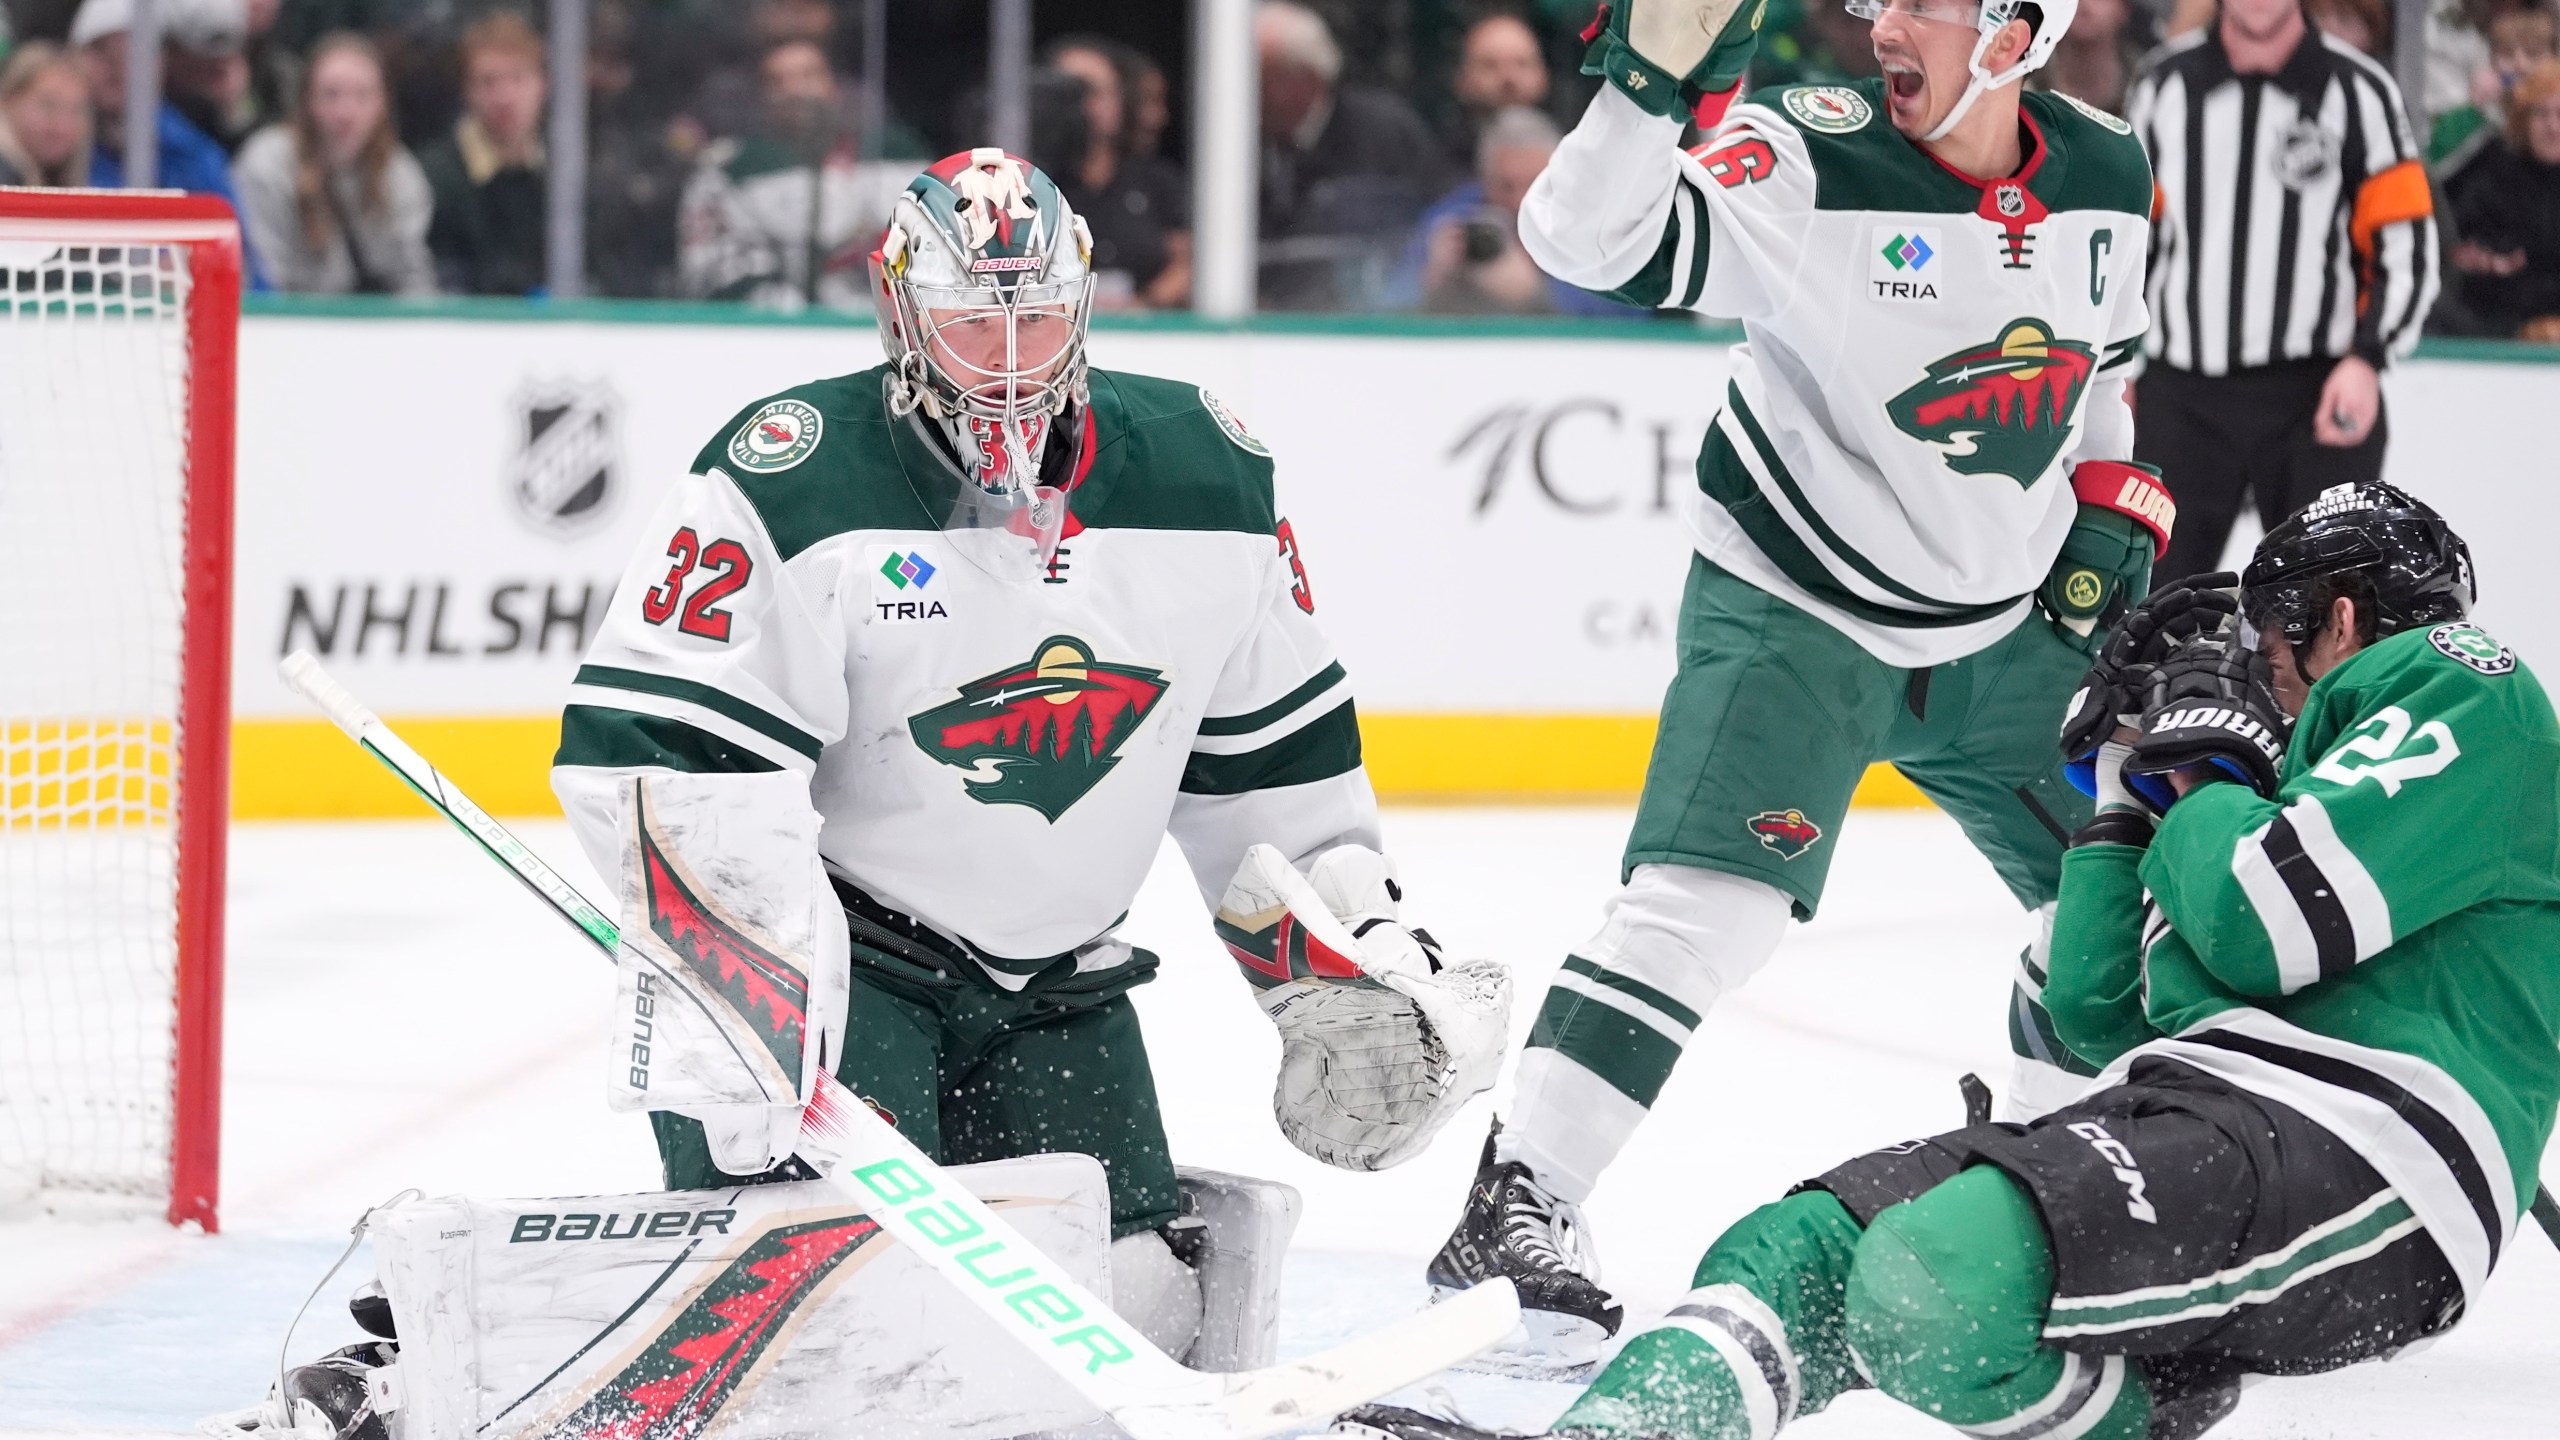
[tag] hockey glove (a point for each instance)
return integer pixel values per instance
(2112, 694)
(2211, 704)
(1381, 1040)
(2123, 525)
(1667, 54)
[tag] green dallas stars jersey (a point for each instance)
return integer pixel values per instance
(1926, 355)
(1000, 759)
(2378, 947)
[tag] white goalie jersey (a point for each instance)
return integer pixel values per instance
(999, 759)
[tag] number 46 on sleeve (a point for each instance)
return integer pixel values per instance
(727, 566)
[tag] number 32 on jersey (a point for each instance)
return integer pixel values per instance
(723, 566)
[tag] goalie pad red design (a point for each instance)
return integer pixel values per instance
(738, 1313)
(2133, 491)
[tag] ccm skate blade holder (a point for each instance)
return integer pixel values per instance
(1037, 1303)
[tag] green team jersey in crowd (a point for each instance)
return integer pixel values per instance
(2377, 947)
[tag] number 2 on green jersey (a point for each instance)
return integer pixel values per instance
(2378, 741)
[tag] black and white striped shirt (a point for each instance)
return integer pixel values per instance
(2292, 218)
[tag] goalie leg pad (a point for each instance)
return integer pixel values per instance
(1247, 1224)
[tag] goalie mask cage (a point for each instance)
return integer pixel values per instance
(119, 317)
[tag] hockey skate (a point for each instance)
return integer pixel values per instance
(1514, 1229)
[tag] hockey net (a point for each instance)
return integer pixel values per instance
(118, 319)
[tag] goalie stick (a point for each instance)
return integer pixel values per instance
(1028, 1295)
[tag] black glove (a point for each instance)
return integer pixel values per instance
(2113, 692)
(2212, 703)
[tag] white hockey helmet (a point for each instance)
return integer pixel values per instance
(2053, 19)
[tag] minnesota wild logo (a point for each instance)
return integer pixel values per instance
(1785, 831)
(2002, 408)
(1044, 732)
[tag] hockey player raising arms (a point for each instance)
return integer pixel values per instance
(1913, 517)
(2325, 992)
(929, 659)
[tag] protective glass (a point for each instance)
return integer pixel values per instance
(1945, 12)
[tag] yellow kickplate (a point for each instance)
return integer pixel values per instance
(306, 770)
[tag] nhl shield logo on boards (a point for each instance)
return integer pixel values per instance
(567, 469)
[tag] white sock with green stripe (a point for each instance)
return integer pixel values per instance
(1623, 1008)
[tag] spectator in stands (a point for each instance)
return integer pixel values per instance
(489, 173)
(2095, 61)
(1815, 42)
(1150, 108)
(188, 158)
(1345, 171)
(2518, 40)
(336, 205)
(2506, 208)
(749, 230)
(1138, 206)
(2364, 24)
(204, 68)
(732, 99)
(1465, 256)
(1500, 65)
(44, 117)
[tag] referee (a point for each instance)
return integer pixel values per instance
(2293, 253)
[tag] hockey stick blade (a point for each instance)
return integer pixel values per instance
(1043, 1308)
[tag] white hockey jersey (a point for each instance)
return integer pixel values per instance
(1926, 354)
(998, 759)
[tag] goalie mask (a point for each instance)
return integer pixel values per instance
(985, 288)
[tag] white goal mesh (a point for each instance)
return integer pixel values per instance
(93, 487)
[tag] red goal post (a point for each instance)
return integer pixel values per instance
(114, 783)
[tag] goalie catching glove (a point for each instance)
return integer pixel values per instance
(1381, 1040)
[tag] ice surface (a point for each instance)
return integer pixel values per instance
(401, 1014)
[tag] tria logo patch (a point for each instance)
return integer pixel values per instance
(1902, 264)
(2001, 408)
(1785, 831)
(1042, 733)
(906, 586)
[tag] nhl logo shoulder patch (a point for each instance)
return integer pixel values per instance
(1233, 427)
(1830, 109)
(2104, 120)
(781, 434)
(2473, 646)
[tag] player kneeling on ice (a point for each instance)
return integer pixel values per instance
(917, 668)
(2321, 978)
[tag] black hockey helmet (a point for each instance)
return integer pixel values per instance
(2374, 543)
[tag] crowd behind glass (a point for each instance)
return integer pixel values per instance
(376, 146)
